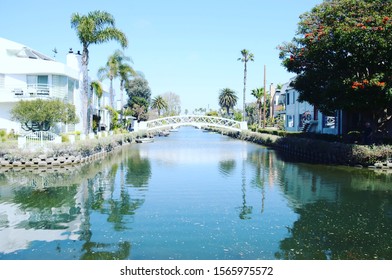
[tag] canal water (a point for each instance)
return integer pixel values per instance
(196, 195)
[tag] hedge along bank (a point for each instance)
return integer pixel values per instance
(320, 151)
(64, 154)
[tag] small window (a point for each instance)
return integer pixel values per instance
(329, 121)
(290, 121)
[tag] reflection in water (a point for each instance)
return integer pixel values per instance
(236, 200)
(63, 206)
(227, 166)
(339, 217)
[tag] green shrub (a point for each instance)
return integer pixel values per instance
(64, 138)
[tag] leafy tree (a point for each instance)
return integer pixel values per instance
(159, 103)
(139, 112)
(227, 99)
(246, 56)
(342, 55)
(41, 115)
(212, 113)
(173, 102)
(126, 72)
(253, 113)
(139, 92)
(113, 117)
(94, 28)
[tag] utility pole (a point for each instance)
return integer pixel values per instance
(265, 98)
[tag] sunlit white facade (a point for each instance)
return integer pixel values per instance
(26, 74)
(302, 116)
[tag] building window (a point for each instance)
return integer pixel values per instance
(38, 84)
(60, 86)
(288, 98)
(290, 121)
(329, 121)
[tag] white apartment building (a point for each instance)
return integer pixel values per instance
(27, 74)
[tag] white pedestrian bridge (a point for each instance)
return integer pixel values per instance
(190, 120)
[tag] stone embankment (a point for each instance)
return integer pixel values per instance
(320, 151)
(62, 155)
(43, 161)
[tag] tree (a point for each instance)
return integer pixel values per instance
(159, 103)
(138, 90)
(227, 99)
(246, 56)
(125, 72)
(342, 55)
(94, 28)
(173, 102)
(96, 87)
(110, 71)
(259, 94)
(41, 115)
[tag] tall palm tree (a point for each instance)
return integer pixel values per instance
(227, 99)
(259, 94)
(246, 56)
(94, 28)
(159, 103)
(112, 71)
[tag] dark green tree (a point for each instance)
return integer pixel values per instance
(139, 94)
(227, 99)
(159, 104)
(342, 55)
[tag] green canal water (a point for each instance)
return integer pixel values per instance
(196, 195)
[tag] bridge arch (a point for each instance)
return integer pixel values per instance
(191, 120)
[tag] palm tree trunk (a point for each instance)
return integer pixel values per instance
(111, 93)
(86, 99)
(243, 109)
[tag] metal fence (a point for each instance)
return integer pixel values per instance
(38, 138)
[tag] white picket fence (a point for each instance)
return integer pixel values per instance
(38, 138)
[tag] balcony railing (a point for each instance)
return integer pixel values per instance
(11, 92)
(39, 90)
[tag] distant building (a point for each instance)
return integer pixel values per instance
(27, 74)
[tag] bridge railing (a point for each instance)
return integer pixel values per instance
(192, 120)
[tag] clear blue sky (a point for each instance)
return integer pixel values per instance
(189, 47)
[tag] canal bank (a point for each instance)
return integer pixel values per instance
(62, 155)
(320, 151)
(291, 148)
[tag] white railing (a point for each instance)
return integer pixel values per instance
(38, 138)
(192, 120)
(11, 93)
